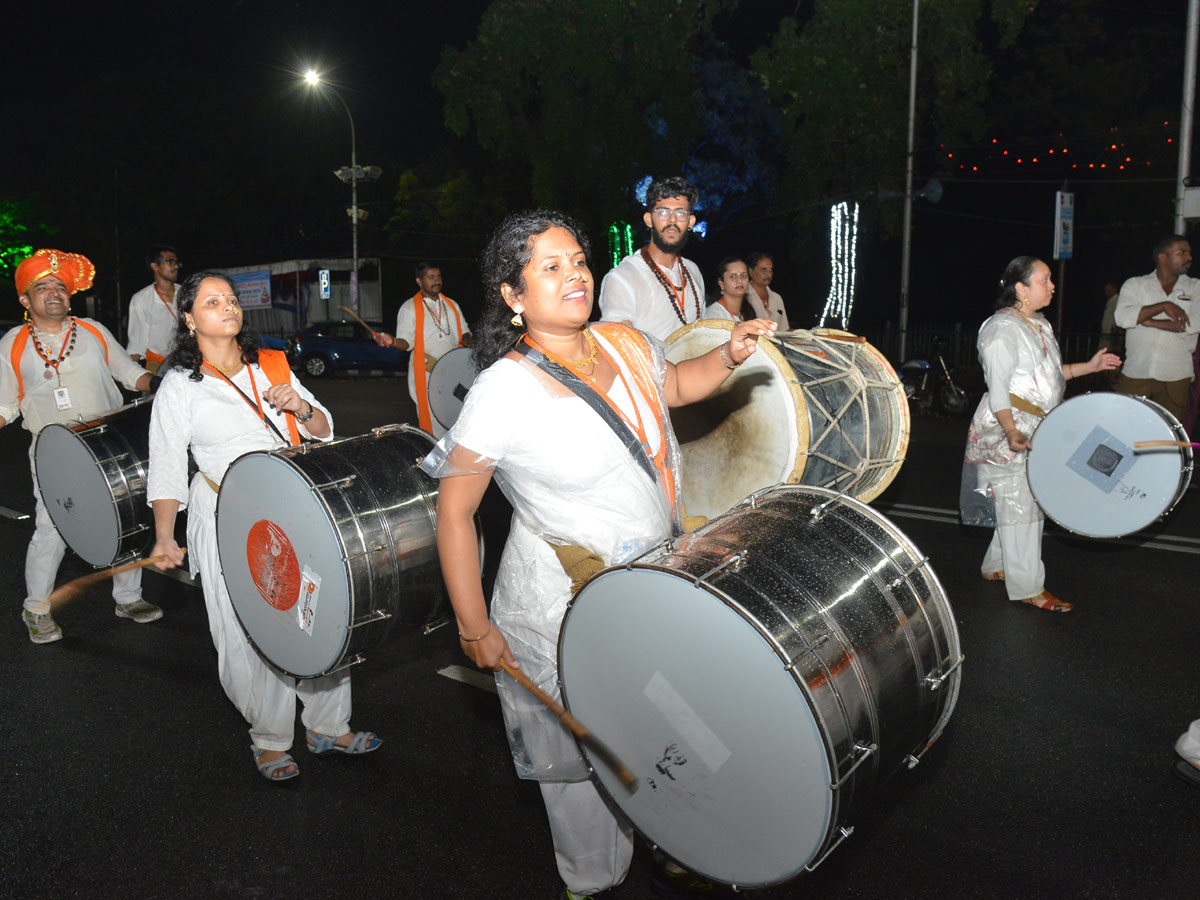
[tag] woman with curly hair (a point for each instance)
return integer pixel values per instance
(571, 419)
(222, 396)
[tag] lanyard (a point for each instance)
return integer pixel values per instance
(164, 300)
(254, 404)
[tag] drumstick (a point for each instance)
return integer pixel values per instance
(1142, 445)
(358, 320)
(65, 593)
(577, 728)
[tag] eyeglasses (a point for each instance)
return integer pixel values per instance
(662, 214)
(167, 262)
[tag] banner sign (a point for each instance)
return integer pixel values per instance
(1064, 224)
(253, 289)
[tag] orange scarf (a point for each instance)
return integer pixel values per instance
(424, 417)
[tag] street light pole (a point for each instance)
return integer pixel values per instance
(906, 250)
(312, 78)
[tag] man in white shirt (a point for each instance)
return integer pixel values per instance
(153, 311)
(656, 290)
(57, 368)
(766, 303)
(429, 324)
(1156, 311)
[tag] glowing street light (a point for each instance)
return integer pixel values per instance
(352, 174)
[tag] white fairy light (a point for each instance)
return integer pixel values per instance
(843, 244)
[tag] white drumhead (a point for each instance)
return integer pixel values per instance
(77, 495)
(448, 385)
(1085, 475)
(734, 777)
(743, 437)
(272, 528)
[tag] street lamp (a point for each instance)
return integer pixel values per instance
(352, 174)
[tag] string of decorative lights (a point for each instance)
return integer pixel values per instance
(843, 245)
(620, 241)
(1119, 150)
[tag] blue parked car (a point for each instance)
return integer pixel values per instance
(328, 347)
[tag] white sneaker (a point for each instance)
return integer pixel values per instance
(42, 627)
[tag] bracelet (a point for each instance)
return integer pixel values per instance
(725, 359)
(304, 418)
(467, 640)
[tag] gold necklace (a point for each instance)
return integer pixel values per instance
(223, 369)
(587, 360)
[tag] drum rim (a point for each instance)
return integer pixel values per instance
(1173, 425)
(281, 454)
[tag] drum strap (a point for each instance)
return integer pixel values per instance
(1025, 406)
(212, 484)
(584, 392)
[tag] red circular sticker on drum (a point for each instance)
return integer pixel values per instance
(273, 564)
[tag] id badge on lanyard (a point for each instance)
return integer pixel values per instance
(62, 398)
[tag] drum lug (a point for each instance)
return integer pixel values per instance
(933, 682)
(434, 624)
(864, 750)
(376, 549)
(819, 510)
(341, 482)
(900, 579)
(733, 563)
(378, 615)
(844, 833)
(911, 761)
(381, 430)
(358, 658)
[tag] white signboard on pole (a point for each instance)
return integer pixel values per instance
(1064, 225)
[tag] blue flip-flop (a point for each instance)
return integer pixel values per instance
(1188, 772)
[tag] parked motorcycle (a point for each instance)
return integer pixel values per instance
(930, 386)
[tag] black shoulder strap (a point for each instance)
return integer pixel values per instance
(581, 389)
(254, 407)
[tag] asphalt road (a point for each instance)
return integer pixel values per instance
(126, 772)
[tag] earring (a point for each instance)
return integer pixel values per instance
(516, 319)
(1025, 302)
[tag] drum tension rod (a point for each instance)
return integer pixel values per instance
(358, 658)
(935, 681)
(376, 549)
(864, 750)
(378, 616)
(843, 834)
(901, 578)
(341, 482)
(734, 563)
(819, 510)
(136, 530)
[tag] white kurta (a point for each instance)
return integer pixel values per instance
(441, 332)
(631, 293)
(772, 309)
(152, 325)
(211, 419)
(717, 310)
(88, 378)
(1020, 356)
(570, 481)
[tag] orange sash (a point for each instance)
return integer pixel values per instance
(275, 366)
(22, 339)
(424, 418)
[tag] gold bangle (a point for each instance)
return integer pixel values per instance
(467, 640)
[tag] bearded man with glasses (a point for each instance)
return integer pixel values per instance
(152, 310)
(655, 289)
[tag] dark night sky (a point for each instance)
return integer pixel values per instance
(381, 56)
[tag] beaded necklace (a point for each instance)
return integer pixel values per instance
(678, 297)
(68, 345)
(438, 313)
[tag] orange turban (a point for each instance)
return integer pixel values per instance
(73, 269)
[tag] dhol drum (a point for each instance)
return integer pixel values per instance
(760, 677)
(452, 377)
(326, 546)
(92, 476)
(811, 407)
(1086, 474)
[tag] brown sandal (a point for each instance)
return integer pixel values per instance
(993, 576)
(1047, 601)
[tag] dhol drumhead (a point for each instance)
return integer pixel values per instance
(1086, 475)
(759, 677)
(449, 383)
(92, 477)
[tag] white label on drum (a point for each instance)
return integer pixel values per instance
(684, 719)
(306, 607)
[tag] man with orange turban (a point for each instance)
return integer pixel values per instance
(58, 368)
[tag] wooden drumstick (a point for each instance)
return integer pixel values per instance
(1143, 445)
(63, 594)
(577, 728)
(354, 315)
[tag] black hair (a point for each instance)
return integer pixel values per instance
(665, 188)
(753, 259)
(508, 251)
(1019, 269)
(157, 250)
(1164, 244)
(423, 266)
(186, 354)
(747, 311)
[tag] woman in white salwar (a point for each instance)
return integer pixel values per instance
(572, 422)
(1026, 378)
(221, 396)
